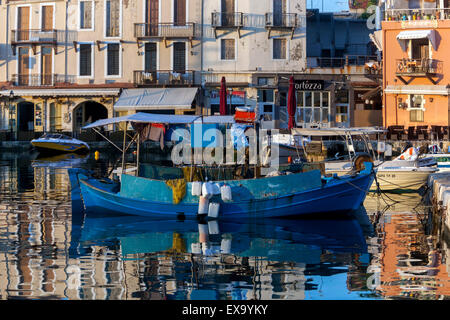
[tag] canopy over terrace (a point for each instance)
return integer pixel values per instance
(161, 118)
(332, 132)
(150, 118)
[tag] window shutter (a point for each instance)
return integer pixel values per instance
(85, 59)
(179, 61)
(113, 59)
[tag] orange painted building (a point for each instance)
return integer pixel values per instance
(416, 66)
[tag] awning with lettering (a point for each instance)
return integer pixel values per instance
(416, 34)
(147, 99)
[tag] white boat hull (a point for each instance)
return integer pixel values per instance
(391, 175)
(390, 180)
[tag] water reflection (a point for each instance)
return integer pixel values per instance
(50, 249)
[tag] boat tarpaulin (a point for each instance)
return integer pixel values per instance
(155, 99)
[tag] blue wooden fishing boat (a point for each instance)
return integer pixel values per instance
(283, 195)
(287, 195)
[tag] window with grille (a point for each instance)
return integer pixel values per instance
(85, 60)
(179, 57)
(279, 48)
(86, 9)
(113, 59)
(228, 50)
(112, 18)
(150, 56)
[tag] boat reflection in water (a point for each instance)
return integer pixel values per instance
(65, 160)
(273, 259)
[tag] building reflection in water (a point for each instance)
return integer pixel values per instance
(47, 251)
(409, 256)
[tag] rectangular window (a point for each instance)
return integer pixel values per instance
(86, 10)
(420, 49)
(47, 18)
(24, 66)
(416, 113)
(179, 57)
(112, 18)
(46, 65)
(265, 95)
(113, 59)
(279, 49)
(23, 23)
(150, 56)
(179, 12)
(85, 60)
(228, 49)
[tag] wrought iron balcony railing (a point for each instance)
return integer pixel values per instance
(34, 36)
(418, 67)
(417, 14)
(282, 20)
(350, 60)
(163, 77)
(41, 80)
(227, 20)
(164, 30)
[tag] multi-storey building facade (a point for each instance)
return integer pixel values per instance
(339, 48)
(68, 63)
(256, 48)
(65, 63)
(415, 83)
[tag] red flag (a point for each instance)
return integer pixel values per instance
(223, 97)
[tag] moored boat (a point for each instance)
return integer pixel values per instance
(281, 196)
(59, 143)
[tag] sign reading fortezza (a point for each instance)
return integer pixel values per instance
(309, 85)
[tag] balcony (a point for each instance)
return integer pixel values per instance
(163, 78)
(227, 21)
(164, 31)
(281, 22)
(41, 80)
(33, 37)
(417, 14)
(418, 68)
(349, 60)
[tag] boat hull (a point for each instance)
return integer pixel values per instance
(52, 147)
(401, 180)
(339, 196)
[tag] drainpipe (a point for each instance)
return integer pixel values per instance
(66, 38)
(7, 41)
(201, 56)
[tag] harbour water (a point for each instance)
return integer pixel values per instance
(50, 249)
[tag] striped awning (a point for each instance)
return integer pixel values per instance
(418, 34)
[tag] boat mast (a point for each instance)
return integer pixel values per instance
(124, 142)
(138, 152)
